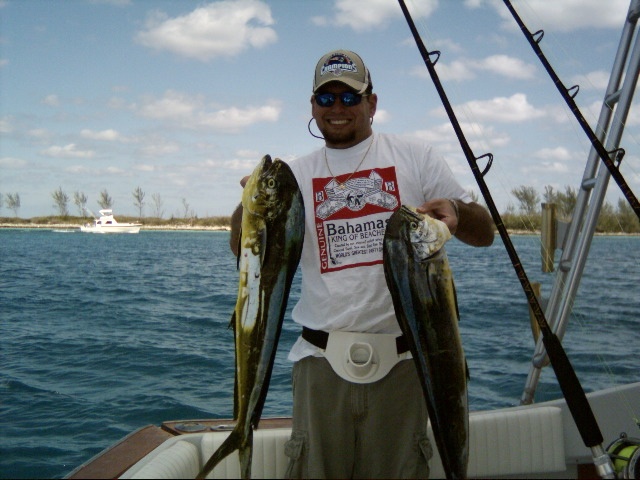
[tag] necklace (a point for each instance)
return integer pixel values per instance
(342, 185)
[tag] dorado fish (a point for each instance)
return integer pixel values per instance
(421, 285)
(269, 253)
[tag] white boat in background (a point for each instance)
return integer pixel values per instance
(107, 224)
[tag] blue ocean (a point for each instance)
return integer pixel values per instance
(101, 335)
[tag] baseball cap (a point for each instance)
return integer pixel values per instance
(342, 66)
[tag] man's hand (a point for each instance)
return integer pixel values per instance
(442, 209)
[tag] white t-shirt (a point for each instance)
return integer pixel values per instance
(343, 283)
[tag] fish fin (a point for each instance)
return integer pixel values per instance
(232, 325)
(263, 245)
(239, 249)
(246, 455)
(455, 298)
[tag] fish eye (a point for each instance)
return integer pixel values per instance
(414, 225)
(271, 183)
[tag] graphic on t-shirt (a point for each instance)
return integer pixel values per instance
(351, 217)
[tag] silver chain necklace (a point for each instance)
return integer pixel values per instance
(342, 184)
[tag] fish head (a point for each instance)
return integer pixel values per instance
(268, 188)
(425, 235)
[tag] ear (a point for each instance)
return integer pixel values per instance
(372, 100)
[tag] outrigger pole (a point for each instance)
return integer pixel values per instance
(570, 93)
(567, 379)
(576, 241)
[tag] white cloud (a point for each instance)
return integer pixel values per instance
(597, 80)
(362, 15)
(12, 162)
(160, 149)
(465, 69)
(456, 70)
(67, 151)
(219, 29)
(546, 167)
(109, 135)
(506, 66)
(51, 100)
(515, 108)
(568, 15)
(381, 116)
(558, 153)
(234, 118)
(191, 112)
(5, 125)
(117, 3)
(480, 137)
(172, 105)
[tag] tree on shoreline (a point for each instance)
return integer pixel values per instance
(158, 211)
(105, 201)
(61, 202)
(138, 200)
(13, 202)
(80, 199)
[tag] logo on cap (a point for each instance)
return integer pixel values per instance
(338, 64)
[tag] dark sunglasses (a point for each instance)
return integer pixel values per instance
(348, 99)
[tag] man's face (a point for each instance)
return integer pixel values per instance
(344, 127)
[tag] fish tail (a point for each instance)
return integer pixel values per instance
(246, 455)
(232, 443)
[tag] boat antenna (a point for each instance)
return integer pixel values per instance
(567, 379)
(568, 94)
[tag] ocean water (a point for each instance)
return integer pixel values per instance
(101, 335)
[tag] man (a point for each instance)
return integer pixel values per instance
(353, 418)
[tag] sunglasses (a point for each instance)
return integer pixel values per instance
(348, 99)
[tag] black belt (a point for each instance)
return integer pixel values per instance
(320, 338)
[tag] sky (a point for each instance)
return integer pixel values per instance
(182, 98)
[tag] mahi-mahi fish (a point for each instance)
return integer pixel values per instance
(424, 299)
(269, 252)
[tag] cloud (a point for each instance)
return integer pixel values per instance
(12, 162)
(568, 15)
(5, 125)
(597, 80)
(506, 66)
(480, 137)
(456, 70)
(68, 151)
(159, 149)
(504, 109)
(362, 15)
(220, 29)
(109, 135)
(191, 112)
(172, 105)
(51, 100)
(558, 153)
(466, 69)
(116, 3)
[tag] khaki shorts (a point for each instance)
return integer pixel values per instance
(348, 430)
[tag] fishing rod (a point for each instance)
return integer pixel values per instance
(567, 379)
(568, 94)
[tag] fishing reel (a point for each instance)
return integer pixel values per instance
(625, 455)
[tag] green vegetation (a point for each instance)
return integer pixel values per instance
(619, 219)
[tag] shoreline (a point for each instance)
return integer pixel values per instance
(74, 226)
(219, 228)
